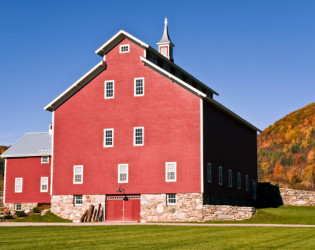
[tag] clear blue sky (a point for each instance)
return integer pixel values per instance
(259, 55)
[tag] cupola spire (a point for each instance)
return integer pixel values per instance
(165, 44)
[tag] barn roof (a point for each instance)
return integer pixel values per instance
(31, 144)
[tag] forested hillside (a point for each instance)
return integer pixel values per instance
(286, 150)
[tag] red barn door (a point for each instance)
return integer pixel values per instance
(120, 209)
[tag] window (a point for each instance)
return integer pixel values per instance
(124, 48)
(78, 174)
(139, 87)
(230, 178)
(170, 171)
(220, 176)
(108, 137)
(109, 89)
(254, 191)
(170, 199)
(18, 185)
(238, 180)
(164, 51)
(246, 183)
(122, 173)
(45, 159)
(138, 136)
(209, 172)
(18, 207)
(44, 184)
(78, 201)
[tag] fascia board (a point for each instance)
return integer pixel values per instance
(23, 155)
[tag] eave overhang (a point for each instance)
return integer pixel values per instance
(24, 155)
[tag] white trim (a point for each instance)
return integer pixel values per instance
(41, 184)
(77, 166)
(42, 162)
(24, 155)
(230, 178)
(52, 151)
(166, 171)
(110, 97)
(19, 178)
(121, 32)
(135, 89)
(123, 45)
(104, 138)
(74, 85)
(172, 77)
(201, 146)
(134, 136)
(220, 180)
(5, 177)
(127, 176)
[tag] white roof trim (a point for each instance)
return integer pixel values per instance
(24, 155)
(74, 85)
(121, 32)
(172, 77)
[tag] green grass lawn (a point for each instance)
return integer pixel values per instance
(280, 215)
(155, 237)
(48, 217)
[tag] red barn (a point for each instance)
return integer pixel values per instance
(146, 139)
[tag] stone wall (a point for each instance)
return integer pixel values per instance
(296, 197)
(63, 205)
(189, 207)
(27, 207)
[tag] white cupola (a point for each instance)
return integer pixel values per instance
(165, 44)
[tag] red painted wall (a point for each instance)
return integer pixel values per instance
(31, 170)
(169, 114)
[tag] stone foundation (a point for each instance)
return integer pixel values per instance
(189, 207)
(63, 205)
(26, 207)
(296, 197)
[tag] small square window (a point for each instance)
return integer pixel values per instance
(44, 184)
(109, 89)
(124, 48)
(108, 137)
(170, 199)
(123, 173)
(45, 159)
(78, 200)
(78, 174)
(138, 136)
(170, 172)
(139, 87)
(18, 207)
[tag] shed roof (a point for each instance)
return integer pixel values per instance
(31, 144)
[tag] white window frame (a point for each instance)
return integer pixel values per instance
(104, 143)
(43, 161)
(230, 178)
(135, 86)
(209, 172)
(246, 183)
(119, 172)
(75, 200)
(15, 207)
(134, 136)
(16, 190)
(74, 181)
(220, 175)
(167, 171)
(105, 89)
(239, 180)
(168, 198)
(124, 45)
(42, 179)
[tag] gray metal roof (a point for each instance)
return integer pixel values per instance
(165, 38)
(31, 144)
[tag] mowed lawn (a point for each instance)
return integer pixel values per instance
(155, 237)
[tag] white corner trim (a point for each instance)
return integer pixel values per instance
(121, 32)
(5, 176)
(172, 77)
(52, 152)
(75, 85)
(201, 146)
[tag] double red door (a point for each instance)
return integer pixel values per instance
(123, 208)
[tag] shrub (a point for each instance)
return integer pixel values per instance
(20, 214)
(36, 210)
(8, 216)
